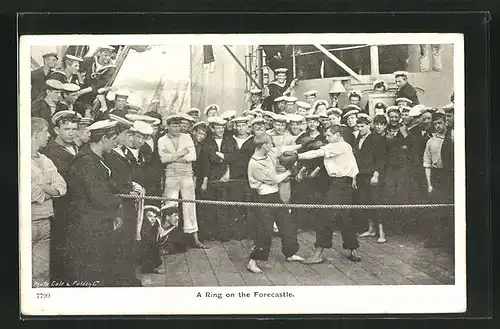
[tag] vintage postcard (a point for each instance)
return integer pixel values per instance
(242, 174)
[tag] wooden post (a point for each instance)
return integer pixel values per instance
(374, 62)
(294, 62)
(338, 62)
(260, 78)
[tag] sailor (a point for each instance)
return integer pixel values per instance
(264, 179)
(335, 115)
(290, 107)
(405, 90)
(439, 184)
(397, 173)
(335, 91)
(419, 132)
(61, 150)
(449, 110)
(303, 108)
(229, 116)
(379, 124)
(311, 96)
(122, 164)
(294, 122)
(194, 112)
(45, 105)
(97, 72)
(187, 123)
(177, 153)
(379, 87)
(350, 119)
(46, 185)
(239, 188)
(342, 169)
(279, 104)
(320, 107)
(70, 71)
(221, 153)
(354, 98)
(255, 98)
(212, 110)
(120, 105)
(309, 177)
(149, 249)
(40, 75)
(379, 108)
(281, 86)
(95, 213)
(170, 237)
(268, 117)
(69, 95)
(369, 152)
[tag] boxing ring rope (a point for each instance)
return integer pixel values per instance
(290, 205)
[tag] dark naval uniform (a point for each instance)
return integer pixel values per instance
(40, 108)
(220, 218)
(275, 90)
(62, 158)
(38, 78)
(370, 157)
(94, 78)
(407, 91)
(91, 212)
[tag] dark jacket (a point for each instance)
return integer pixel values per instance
(93, 78)
(216, 165)
(38, 79)
(396, 152)
(152, 168)
(40, 108)
(246, 151)
(62, 77)
(60, 156)
(200, 166)
(91, 211)
(416, 141)
(407, 91)
(371, 156)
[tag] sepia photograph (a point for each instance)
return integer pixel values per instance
(242, 174)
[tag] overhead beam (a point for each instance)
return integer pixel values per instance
(338, 62)
(243, 67)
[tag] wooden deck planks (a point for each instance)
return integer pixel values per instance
(177, 270)
(224, 269)
(277, 273)
(402, 260)
(417, 257)
(352, 270)
(200, 268)
(239, 256)
(302, 273)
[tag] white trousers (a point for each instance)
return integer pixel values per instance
(184, 185)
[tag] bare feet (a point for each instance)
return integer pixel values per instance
(295, 258)
(252, 267)
(367, 233)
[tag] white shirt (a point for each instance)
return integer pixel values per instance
(167, 146)
(338, 159)
(151, 143)
(135, 152)
(219, 143)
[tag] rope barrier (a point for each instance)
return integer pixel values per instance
(290, 205)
